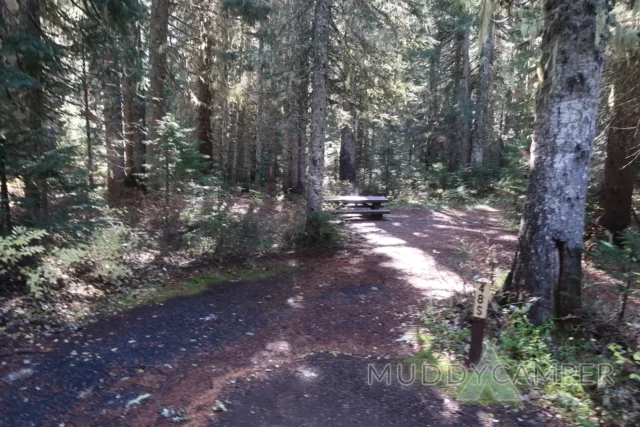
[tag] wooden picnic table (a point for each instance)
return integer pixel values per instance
(360, 205)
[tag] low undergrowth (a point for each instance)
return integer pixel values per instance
(570, 375)
(51, 279)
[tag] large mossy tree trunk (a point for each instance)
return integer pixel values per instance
(547, 265)
(318, 105)
(622, 146)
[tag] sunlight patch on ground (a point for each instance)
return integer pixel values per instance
(307, 374)
(441, 216)
(416, 266)
(508, 238)
(275, 353)
(296, 302)
(468, 230)
(485, 208)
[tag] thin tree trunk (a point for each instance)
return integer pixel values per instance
(246, 136)
(464, 100)
(302, 121)
(224, 91)
(236, 142)
(261, 133)
(87, 122)
(130, 128)
(622, 145)
(483, 130)
(548, 262)
(301, 96)
(429, 151)
(159, 24)
(348, 146)
(5, 216)
(318, 105)
(273, 144)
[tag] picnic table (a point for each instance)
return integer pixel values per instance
(359, 205)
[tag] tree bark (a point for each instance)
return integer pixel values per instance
(159, 25)
(318, 105)
(133, 133)
(87, 122)
(35, 187)
(246, 139)
(483, 130)
(203, 110)
(114, 135)
(547, 265)
(464, 99)
(223, 23)
(348, 146)
(622, 145)
(429, 151)
(5, 215)
(300, 116)
(261, 132)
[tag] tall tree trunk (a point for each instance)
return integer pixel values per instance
(87, 121)
(35, 185)
(133, 130)
(114, 136)
(273, 143)
(318, 105)
(261, 133)
(429, 151)
(224, 97)
(133, 111)
(622, 144)
(484, 128)
(247, 140)
(348, 146)
(464, 99)
(301, 99)
(547, 264)
(203, 110)
(238, 124)
(159, 25)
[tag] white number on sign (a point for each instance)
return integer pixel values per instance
(481, 301)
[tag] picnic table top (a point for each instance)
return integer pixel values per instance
(355, 199)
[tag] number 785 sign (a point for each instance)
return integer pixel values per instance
(481, 300)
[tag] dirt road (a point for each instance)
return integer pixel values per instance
(288, 351)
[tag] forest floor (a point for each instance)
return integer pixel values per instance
(291, 349)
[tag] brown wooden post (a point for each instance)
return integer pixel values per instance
(480, 306)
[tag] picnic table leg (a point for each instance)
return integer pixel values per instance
(376, 206)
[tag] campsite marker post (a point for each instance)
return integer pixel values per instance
(480, 305)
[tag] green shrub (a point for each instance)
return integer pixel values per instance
(24, 258)
(20, 255)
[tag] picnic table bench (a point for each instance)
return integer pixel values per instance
(360, 205)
